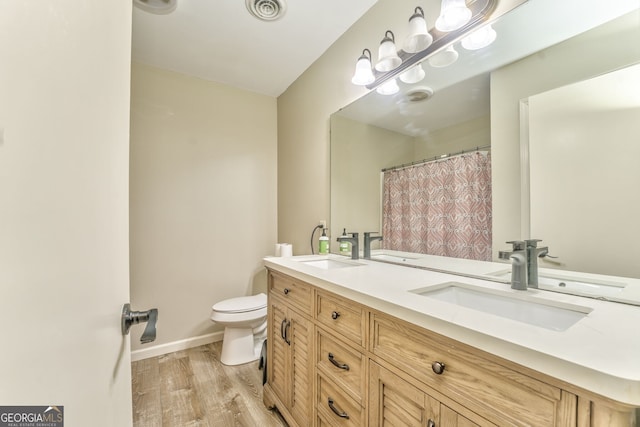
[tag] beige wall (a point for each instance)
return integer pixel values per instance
(358, 153)
(453, 139)
(574, 60)
(303, 123)
(203, 197)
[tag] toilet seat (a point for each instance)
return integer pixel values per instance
(241, 304)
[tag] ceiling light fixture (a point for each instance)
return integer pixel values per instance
(157, 7)
(392, 63)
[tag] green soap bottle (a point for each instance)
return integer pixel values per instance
(344, 246)
(324, 243)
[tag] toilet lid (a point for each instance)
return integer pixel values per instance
(241, 304)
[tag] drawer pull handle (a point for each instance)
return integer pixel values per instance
(338, 364)
(337, 411)
(431, 423)
(286, 291)
(335, 315)
(438, 367)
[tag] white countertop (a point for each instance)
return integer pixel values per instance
(600, 353)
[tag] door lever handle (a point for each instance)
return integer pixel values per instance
(129, 318)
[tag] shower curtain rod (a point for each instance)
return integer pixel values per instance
(433, 159)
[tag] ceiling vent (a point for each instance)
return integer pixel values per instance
(419, 94)
(267, 10)
(158, 7)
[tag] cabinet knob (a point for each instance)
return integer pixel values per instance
(431, 423)
(335, 315)
(286, 291)
(438, 367)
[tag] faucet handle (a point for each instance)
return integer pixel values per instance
(532, 243)
(518, 245)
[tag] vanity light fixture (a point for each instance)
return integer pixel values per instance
(388, 58)
(413, 74)
(480, 38)
(390, 87)
(419, 38)
(454, 14)
(456, 22)
(444, 58)
(363, 75)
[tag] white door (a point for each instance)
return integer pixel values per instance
(64, 147)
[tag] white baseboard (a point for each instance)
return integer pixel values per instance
(170, 347)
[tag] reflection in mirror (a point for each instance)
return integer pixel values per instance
(584, 174)
(476, 103)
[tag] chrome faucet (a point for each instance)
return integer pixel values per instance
(367, 243)
(518, 258)
(355, 250)
(533, 253)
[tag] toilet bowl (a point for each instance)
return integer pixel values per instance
(245, 327)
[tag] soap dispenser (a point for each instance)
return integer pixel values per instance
(344, 245)
(324, 243)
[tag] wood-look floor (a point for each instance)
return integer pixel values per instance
(192, 388)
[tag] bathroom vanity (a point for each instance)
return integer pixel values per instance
(362, 343)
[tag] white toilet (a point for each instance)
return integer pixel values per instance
(245, 322)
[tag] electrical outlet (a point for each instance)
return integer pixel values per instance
(323, 223)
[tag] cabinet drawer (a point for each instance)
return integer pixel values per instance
(486, 387)
(342, 317)
(342, 364)
(335, 407)
(296, 293)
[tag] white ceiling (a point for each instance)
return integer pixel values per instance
(219, 40)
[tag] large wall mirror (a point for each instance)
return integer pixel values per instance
(461, 109)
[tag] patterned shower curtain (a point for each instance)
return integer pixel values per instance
(441, 207)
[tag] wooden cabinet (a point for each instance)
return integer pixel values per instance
(341, 365)
(335, 362)
(393, 401)
(290, 355)
(480, 382)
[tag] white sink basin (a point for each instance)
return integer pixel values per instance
(328, 264)
(571, 285)
(520, 307)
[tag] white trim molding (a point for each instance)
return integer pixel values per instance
(170, 347)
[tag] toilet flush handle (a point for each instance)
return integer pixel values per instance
(129, 318)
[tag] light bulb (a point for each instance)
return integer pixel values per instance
(480, 38)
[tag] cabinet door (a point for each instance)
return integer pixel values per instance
(394, 402)
(278, 356)
(300, 335)
(450, 418)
